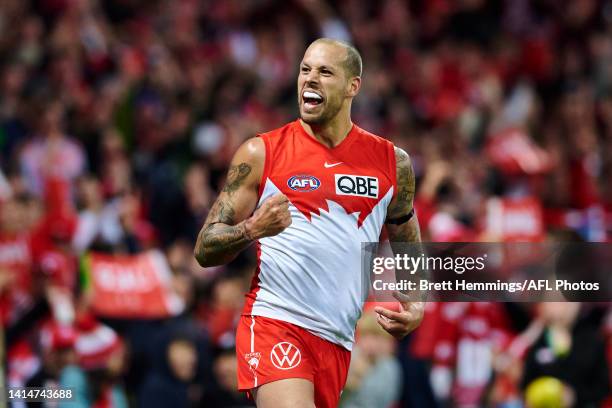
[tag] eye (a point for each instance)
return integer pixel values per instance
(326, 72)
(304, 69)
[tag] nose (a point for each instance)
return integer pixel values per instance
(312, 77)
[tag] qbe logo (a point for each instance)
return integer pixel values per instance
(360, 186)
(285, 356)
(303, 183)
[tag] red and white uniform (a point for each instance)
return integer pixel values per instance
(310, 274)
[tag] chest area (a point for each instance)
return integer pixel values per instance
(311, 178)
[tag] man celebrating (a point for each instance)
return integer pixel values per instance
(308, 194)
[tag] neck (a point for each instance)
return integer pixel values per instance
(332, 133)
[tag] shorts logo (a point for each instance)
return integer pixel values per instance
(285, 356)
(303, 183)
(253, 360)
(360, 186)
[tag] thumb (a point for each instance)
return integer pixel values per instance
(403, 299)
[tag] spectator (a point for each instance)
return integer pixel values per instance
(173, 382)
(52, 152)
(101, 361)
(375, 374)
(570, 351)
(223, 393)
(57, 350)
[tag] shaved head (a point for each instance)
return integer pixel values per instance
(352, 63)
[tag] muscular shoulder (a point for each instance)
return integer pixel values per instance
(253, 151)
(248, 163)
(405, 172)
(402, 159)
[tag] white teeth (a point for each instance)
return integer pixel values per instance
(312, 95)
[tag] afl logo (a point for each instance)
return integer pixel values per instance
(303, 183)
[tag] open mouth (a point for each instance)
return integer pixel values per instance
(311, 99)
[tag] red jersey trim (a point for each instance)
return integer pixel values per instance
(299, 131)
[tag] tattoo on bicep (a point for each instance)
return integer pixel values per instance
(400, 156)
(222, 211)
(405, 183)
(405, 176)
(236, 176)
(226, 213)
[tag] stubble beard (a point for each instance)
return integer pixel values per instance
(325, 116)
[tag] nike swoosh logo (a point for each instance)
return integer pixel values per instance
(327, 165)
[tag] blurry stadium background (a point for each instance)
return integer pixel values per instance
(117, 122)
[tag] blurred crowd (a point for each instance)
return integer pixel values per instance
(118, 119)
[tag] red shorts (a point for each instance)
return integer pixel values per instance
(269, 350)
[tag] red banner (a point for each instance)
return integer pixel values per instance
(515, 220)
(131, 286)
(513, 152)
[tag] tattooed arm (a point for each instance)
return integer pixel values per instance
(230, 227)
(402, 227)
(403, 202)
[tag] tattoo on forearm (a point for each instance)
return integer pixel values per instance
(407, 232)
(220, 240)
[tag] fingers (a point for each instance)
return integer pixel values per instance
(416, 309)
(280, 206)
(407, 304)
(279, 198)
(273, 216)
(399, 324)
(392, 327)
(278, 203)
(401, 297)
(407, 299)
(385, 324)
(284, 207)
(390, 314)
(396, 328)
(280, 209)
(285, 218)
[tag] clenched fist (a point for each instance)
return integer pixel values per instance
(270, 219)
